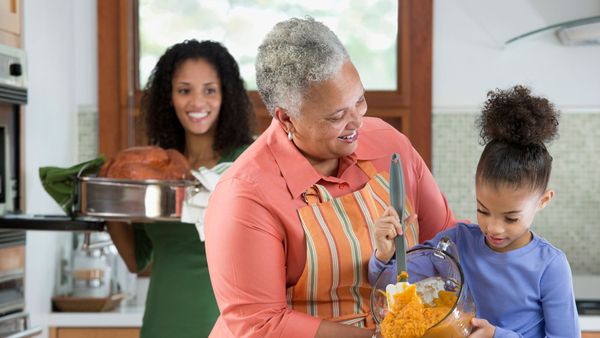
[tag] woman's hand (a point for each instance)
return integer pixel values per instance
(387, 227)
(482, 328)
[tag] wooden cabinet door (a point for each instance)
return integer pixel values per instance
(94, 332)
(10, 15)
(10, 22)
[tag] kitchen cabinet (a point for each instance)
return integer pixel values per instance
(590, 335)
(71, 332)
(10, 22)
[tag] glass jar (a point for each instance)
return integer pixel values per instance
(431, 270)
(92, 272)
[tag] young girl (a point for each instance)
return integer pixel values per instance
(521, 283)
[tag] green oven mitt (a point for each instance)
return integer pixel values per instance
(61, 183)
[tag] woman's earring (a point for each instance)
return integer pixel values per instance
(290, 136)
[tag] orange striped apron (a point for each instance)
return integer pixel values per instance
(339, 242)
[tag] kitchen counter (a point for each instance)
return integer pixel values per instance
(131, 316)
(589, 323)
(585, 287)
(122, 316)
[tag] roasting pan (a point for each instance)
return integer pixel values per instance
(132, 200)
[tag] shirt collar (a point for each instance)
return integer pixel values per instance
(297, 171)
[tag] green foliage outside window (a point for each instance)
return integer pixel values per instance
(368, 29)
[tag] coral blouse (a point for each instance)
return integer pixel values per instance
(255, 244)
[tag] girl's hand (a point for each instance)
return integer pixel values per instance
(387, 227)
(482, 328)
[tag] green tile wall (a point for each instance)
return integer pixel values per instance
(87, 133)
(572, 221)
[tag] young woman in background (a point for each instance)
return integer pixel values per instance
(196, 103)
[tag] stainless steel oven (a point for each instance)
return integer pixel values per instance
(14, 321)
(13, 96)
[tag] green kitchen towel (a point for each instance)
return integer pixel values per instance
(61, 183)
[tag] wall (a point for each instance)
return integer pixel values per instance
(60, 41)
(468, 62)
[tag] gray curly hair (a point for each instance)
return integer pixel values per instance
(294, 54)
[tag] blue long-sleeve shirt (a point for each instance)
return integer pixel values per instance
(527, 292)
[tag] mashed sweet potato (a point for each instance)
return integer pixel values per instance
(411, 318)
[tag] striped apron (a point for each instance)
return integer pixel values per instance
(339, 242)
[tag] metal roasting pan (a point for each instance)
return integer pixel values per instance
(132, 200)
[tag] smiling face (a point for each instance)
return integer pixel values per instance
(330, 118)
(196, 96)
(505, 214)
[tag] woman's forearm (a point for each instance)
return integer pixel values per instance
(123, 238)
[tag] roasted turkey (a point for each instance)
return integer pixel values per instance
(143, 163)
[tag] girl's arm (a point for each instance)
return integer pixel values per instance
(483, 329)
(558, 300)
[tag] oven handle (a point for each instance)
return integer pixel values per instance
(34, 331)
(14, 316)
(27, 333)
(12, 275)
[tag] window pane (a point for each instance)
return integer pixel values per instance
(368, 29)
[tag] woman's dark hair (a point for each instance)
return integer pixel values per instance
(514, 126)
(236, 117)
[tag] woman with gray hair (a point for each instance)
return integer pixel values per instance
(290, 226)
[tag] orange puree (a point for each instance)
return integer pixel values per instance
(403, 276)
(410, 318)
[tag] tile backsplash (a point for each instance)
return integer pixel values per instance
(87, 133)
(572, 220)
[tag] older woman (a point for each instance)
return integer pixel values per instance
(290, 224)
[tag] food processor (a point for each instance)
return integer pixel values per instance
(432, 270)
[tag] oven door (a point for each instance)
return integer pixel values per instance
(14, 322)
(12, 271)
(17, 326)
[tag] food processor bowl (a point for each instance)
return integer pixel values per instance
(431, 270)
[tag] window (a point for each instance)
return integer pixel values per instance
(397, 76)
(368, 30)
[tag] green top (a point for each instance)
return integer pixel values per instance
(180, 300)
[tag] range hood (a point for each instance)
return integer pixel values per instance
(585, 31)
(509, 21)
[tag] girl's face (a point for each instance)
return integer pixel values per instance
(196, 96)
(505, 214)
(330, 118)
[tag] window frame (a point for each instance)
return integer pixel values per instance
(408, 108)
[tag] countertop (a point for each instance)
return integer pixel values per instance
(123, 316)
(130, 314)
(586, 288)
(589, 323)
